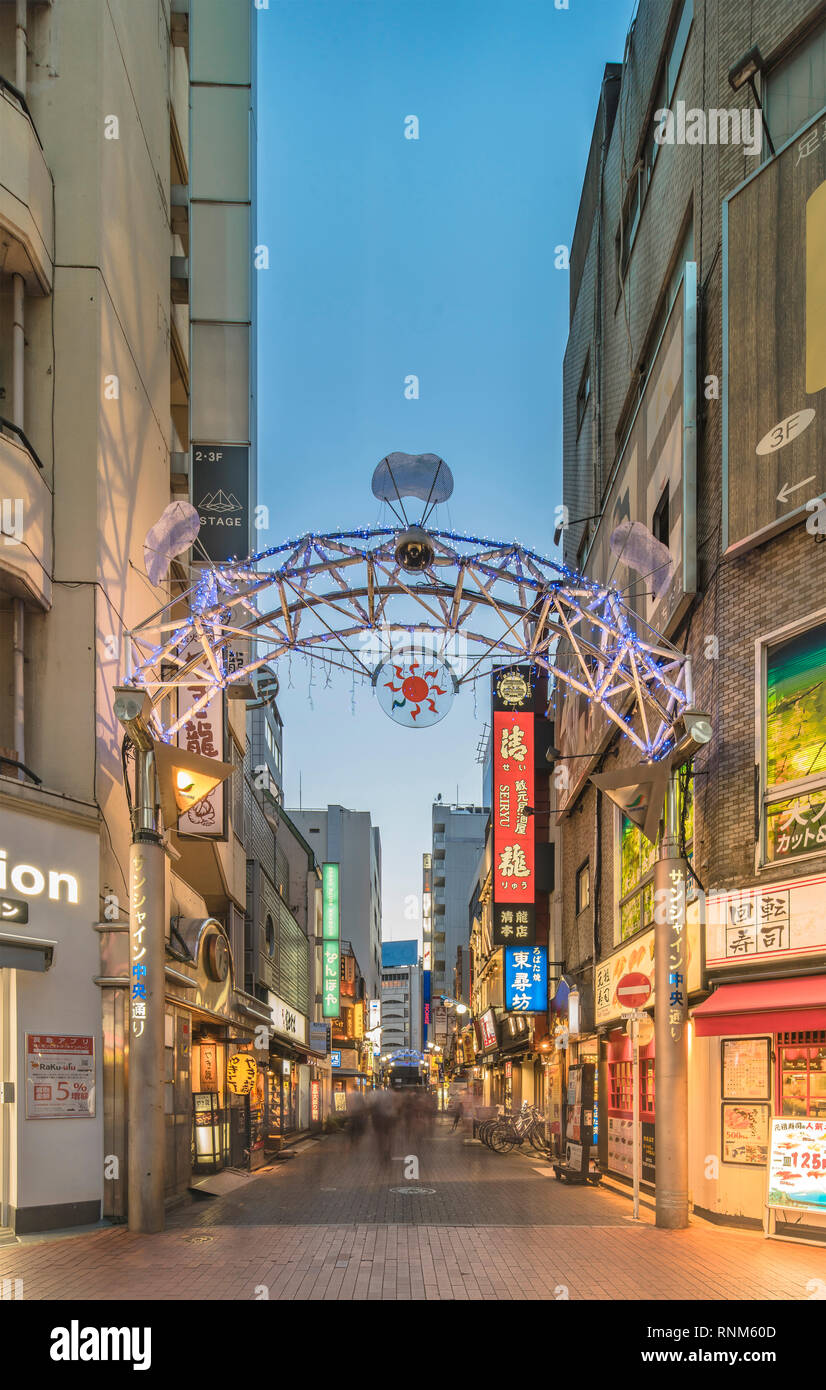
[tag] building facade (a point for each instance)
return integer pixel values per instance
(458, 839)
(349, 839)
(685, 409)
(127, 382)
(401, 996)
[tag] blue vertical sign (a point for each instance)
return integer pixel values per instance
(526, 979)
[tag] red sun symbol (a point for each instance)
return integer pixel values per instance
(418, 690)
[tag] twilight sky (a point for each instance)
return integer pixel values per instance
(434, 257)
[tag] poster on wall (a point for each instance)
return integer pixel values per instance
(774, 365)
(745, 1133)
(797, 1164)
(795, 746)
(746, 1068)
(60, 1077)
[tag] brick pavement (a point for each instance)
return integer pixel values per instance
(327, 1226)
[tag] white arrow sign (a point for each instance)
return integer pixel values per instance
(786, 490)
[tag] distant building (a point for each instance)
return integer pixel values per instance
(458, 841)
(401, 994)
(349, 838)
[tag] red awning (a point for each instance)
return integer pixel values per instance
(766, 1006)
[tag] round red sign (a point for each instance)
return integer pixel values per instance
(633, 990)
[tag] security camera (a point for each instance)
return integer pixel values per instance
(692, 730)
(133, 709)
(414, 550)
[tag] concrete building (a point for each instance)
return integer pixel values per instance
(675, 374)
(349, 838)
(401, 996)
(126, 382)
(458, 841)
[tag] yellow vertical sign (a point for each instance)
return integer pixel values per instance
(816, 290)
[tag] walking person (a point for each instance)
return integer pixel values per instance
(458, 1113)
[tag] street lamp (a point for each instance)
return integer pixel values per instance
(167, 780)
(744, 71)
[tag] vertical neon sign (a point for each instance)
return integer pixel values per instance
(331, 947)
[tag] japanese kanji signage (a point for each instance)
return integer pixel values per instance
(526, 979)
(202, 732)
(138, 943)
(774, 364)
(242, 1071)
(514, 866)
(672, 909)
(331, 945)
(60, 1077)
(637, 954)
(760, 925)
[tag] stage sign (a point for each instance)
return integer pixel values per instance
(774, 358)
(514, 858)
(221, 494)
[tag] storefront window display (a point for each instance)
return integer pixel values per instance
(794, 694)
(637, 858)
(802, 1076)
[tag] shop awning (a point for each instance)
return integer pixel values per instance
(26, 952)
(764, 1006)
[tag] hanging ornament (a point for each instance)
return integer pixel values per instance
(415, 693)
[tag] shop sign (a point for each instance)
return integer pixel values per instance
(487, 1028)
(221, 493)
(759, 925)
(32, 882)
(319, 1037)
(526, 979)
(242, 1072)
(514, 859)
(335, 1057)
(331, 947)
(621, 1147)
(201, 731)
(467, 1047)
(209, 1066)
(315, 1101)
(286, 1021)
(375, 1014)
(60, 1077)
(745, 1133)
(340, 1099)
(637, 955)
(797, 1164)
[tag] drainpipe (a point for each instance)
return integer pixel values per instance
(17, 603)
(21, 22)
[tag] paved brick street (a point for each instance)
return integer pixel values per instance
(328, 1225)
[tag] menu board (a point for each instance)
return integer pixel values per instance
(797, 1164)
(746, 1069)
(745, 1134)
(60, 1077)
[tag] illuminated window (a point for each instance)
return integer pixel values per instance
(794, 745)
(637, 857)
(802, 1071)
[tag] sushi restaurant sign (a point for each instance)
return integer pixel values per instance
(797, 1164)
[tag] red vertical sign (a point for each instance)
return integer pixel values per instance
(514, 858)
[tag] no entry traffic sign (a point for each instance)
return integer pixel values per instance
(633, 990)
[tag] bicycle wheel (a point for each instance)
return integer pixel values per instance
(538, 1139)
(502, 1140)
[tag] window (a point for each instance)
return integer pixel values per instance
(583, 395)
(629, 223)
(802, 1071)
(794, 745)
(269, 936)
(583, 887)
(637, 857)
(795, 90)
(621, 1086)
(660, 525)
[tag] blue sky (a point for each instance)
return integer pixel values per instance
(433, 257)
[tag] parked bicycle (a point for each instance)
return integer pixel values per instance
(508, 1130)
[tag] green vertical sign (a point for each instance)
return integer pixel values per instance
(331, 947)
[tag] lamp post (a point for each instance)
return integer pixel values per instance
(167, 780)
(670, 955)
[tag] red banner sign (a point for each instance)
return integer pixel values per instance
(513, 792)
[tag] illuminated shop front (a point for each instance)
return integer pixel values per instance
(51, 1053)
(289, 1073)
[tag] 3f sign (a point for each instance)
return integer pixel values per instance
(31, 882)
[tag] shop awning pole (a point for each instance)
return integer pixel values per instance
(671, 1060)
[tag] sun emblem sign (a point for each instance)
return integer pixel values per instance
(415, 693)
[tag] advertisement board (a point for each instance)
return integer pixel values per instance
(797, 1164)
(202, 732)
(514, 857)
(487, 1030)
(758, 926)
(654, 486)
(60, 1077)
(774, 364)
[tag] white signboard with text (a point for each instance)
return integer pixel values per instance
(757, 926)
(60, 1077)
